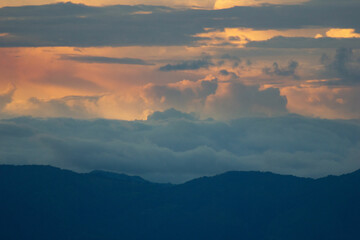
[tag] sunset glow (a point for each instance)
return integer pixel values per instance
(190, 87)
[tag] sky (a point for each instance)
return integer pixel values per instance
(217, 85)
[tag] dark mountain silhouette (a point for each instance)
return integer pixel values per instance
(42, 202)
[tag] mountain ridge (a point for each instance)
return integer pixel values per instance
(43, 202)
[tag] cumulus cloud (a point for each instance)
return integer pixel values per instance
(236, 100)
(226, 99)
(69, 106)
(180, 95)
(325, 101)
(344, 66)
(223, 98)
(288, 71)
(178, 148)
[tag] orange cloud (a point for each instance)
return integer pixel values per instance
(240, 36)
(323, 102)
(342, 33)
(173, 3)
(46, 81)
(222, 4)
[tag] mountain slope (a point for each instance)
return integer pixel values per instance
(41, 202)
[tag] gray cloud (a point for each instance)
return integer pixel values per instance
(333, 2)
(230, 57)
(289, 70)
(224, 72)
(6, 97)
(344, 66)
(234, 59)
(181, 95)
(303, 42)
(83, 26)
(224, 100)
(237, 100)
(109, 60)
(171, 113)
(188, 65)
(177, 149)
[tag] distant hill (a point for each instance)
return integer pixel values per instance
(42, 202)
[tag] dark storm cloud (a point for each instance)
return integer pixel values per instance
(288, 71)
(176, 148)
(82, 26)
(303, 42)
(109, 60)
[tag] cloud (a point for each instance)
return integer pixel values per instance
(324, 101)
(183, 95)
(188, 65)
(209, 97)
(235, 100)
(303, 42)
(170, 114)
(342, 33)
(108, 60)
(288, 71)
(78, 25)
(333, 2)
(7, 97)
(344, 66)
(69, 106)
(223, 98)
(173, 3)
(68, 80)
(220, 4)
(234, 59)
(84, 26)
(179, 149)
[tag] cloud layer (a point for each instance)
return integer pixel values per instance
(84, 26)
(174, 146)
